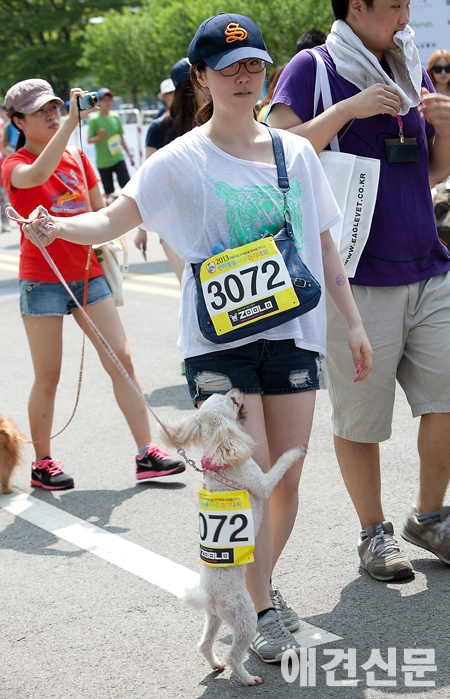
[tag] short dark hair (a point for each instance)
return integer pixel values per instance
(340, 7)
(310, 39)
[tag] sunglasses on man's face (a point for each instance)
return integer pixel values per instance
(439, 69)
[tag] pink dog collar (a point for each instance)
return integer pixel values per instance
(207, 465)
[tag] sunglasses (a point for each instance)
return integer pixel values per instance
(439, 69)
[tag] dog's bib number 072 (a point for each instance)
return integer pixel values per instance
(246, 284)
(227, 535)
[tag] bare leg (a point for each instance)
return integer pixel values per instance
(434, 452)
(105, 316)
(259, 572)
(285, 423)
(288, 424)
(360, 468)
(44, 335)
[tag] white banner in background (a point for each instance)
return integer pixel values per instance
(430, 20)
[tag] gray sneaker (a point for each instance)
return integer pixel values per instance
(429, 535)
(381, 555)
(272, 639)
(287, 615)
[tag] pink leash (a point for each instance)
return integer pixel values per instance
(44, 227)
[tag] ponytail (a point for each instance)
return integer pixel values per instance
(205, 112)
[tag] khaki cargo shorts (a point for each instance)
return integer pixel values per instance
(409, 330)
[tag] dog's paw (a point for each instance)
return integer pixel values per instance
(218, 666)
(294, 455)
(254, 679)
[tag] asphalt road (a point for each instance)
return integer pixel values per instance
(90, 578)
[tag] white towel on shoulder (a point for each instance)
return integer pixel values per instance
(359, 66)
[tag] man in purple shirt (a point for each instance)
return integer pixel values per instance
(402, 282)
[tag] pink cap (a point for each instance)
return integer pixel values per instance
(29, 96)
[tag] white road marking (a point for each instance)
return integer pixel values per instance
(158, 279)
(9, 267)
(145, 289)
(149, 566)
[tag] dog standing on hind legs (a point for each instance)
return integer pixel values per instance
(11, 440)
(227, 449)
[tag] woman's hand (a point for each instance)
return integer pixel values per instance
(74, 112)
(361, 352)
(141, 239)
(43, 225)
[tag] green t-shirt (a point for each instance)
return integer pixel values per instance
(109, 149)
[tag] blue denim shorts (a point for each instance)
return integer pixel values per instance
(52, 299)
(265, 367)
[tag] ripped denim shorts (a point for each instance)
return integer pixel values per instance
(265, 367)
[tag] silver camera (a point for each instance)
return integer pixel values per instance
(87, 101)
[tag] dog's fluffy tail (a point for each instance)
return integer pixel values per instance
(196, 597)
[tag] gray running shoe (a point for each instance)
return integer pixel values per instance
(429, 535)
(381, 555)
(272, 639)
(287, 615)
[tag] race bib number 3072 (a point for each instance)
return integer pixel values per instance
(245, 284)
(227, 536)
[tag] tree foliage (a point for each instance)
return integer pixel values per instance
(132, 52)
(44, 38)
(135, 46)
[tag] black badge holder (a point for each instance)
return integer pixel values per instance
(401, 149)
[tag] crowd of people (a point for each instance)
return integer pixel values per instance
(210, 179)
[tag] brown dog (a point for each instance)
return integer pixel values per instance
(11, 440)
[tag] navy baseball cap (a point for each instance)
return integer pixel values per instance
(226, 38)
(181, 72)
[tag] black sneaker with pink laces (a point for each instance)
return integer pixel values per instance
(48, 473)
(156, 463)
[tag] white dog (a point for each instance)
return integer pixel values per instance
(222, 593)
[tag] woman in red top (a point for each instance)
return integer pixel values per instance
(43, 170)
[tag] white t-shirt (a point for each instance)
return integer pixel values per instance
(195, 195)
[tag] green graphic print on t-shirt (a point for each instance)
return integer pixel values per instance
(255, 210)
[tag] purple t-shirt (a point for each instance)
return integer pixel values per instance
(403, 246)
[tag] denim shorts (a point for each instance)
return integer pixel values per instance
(52, 299)
(265, 367)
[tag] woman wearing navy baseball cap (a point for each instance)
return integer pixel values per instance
(217, 187)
